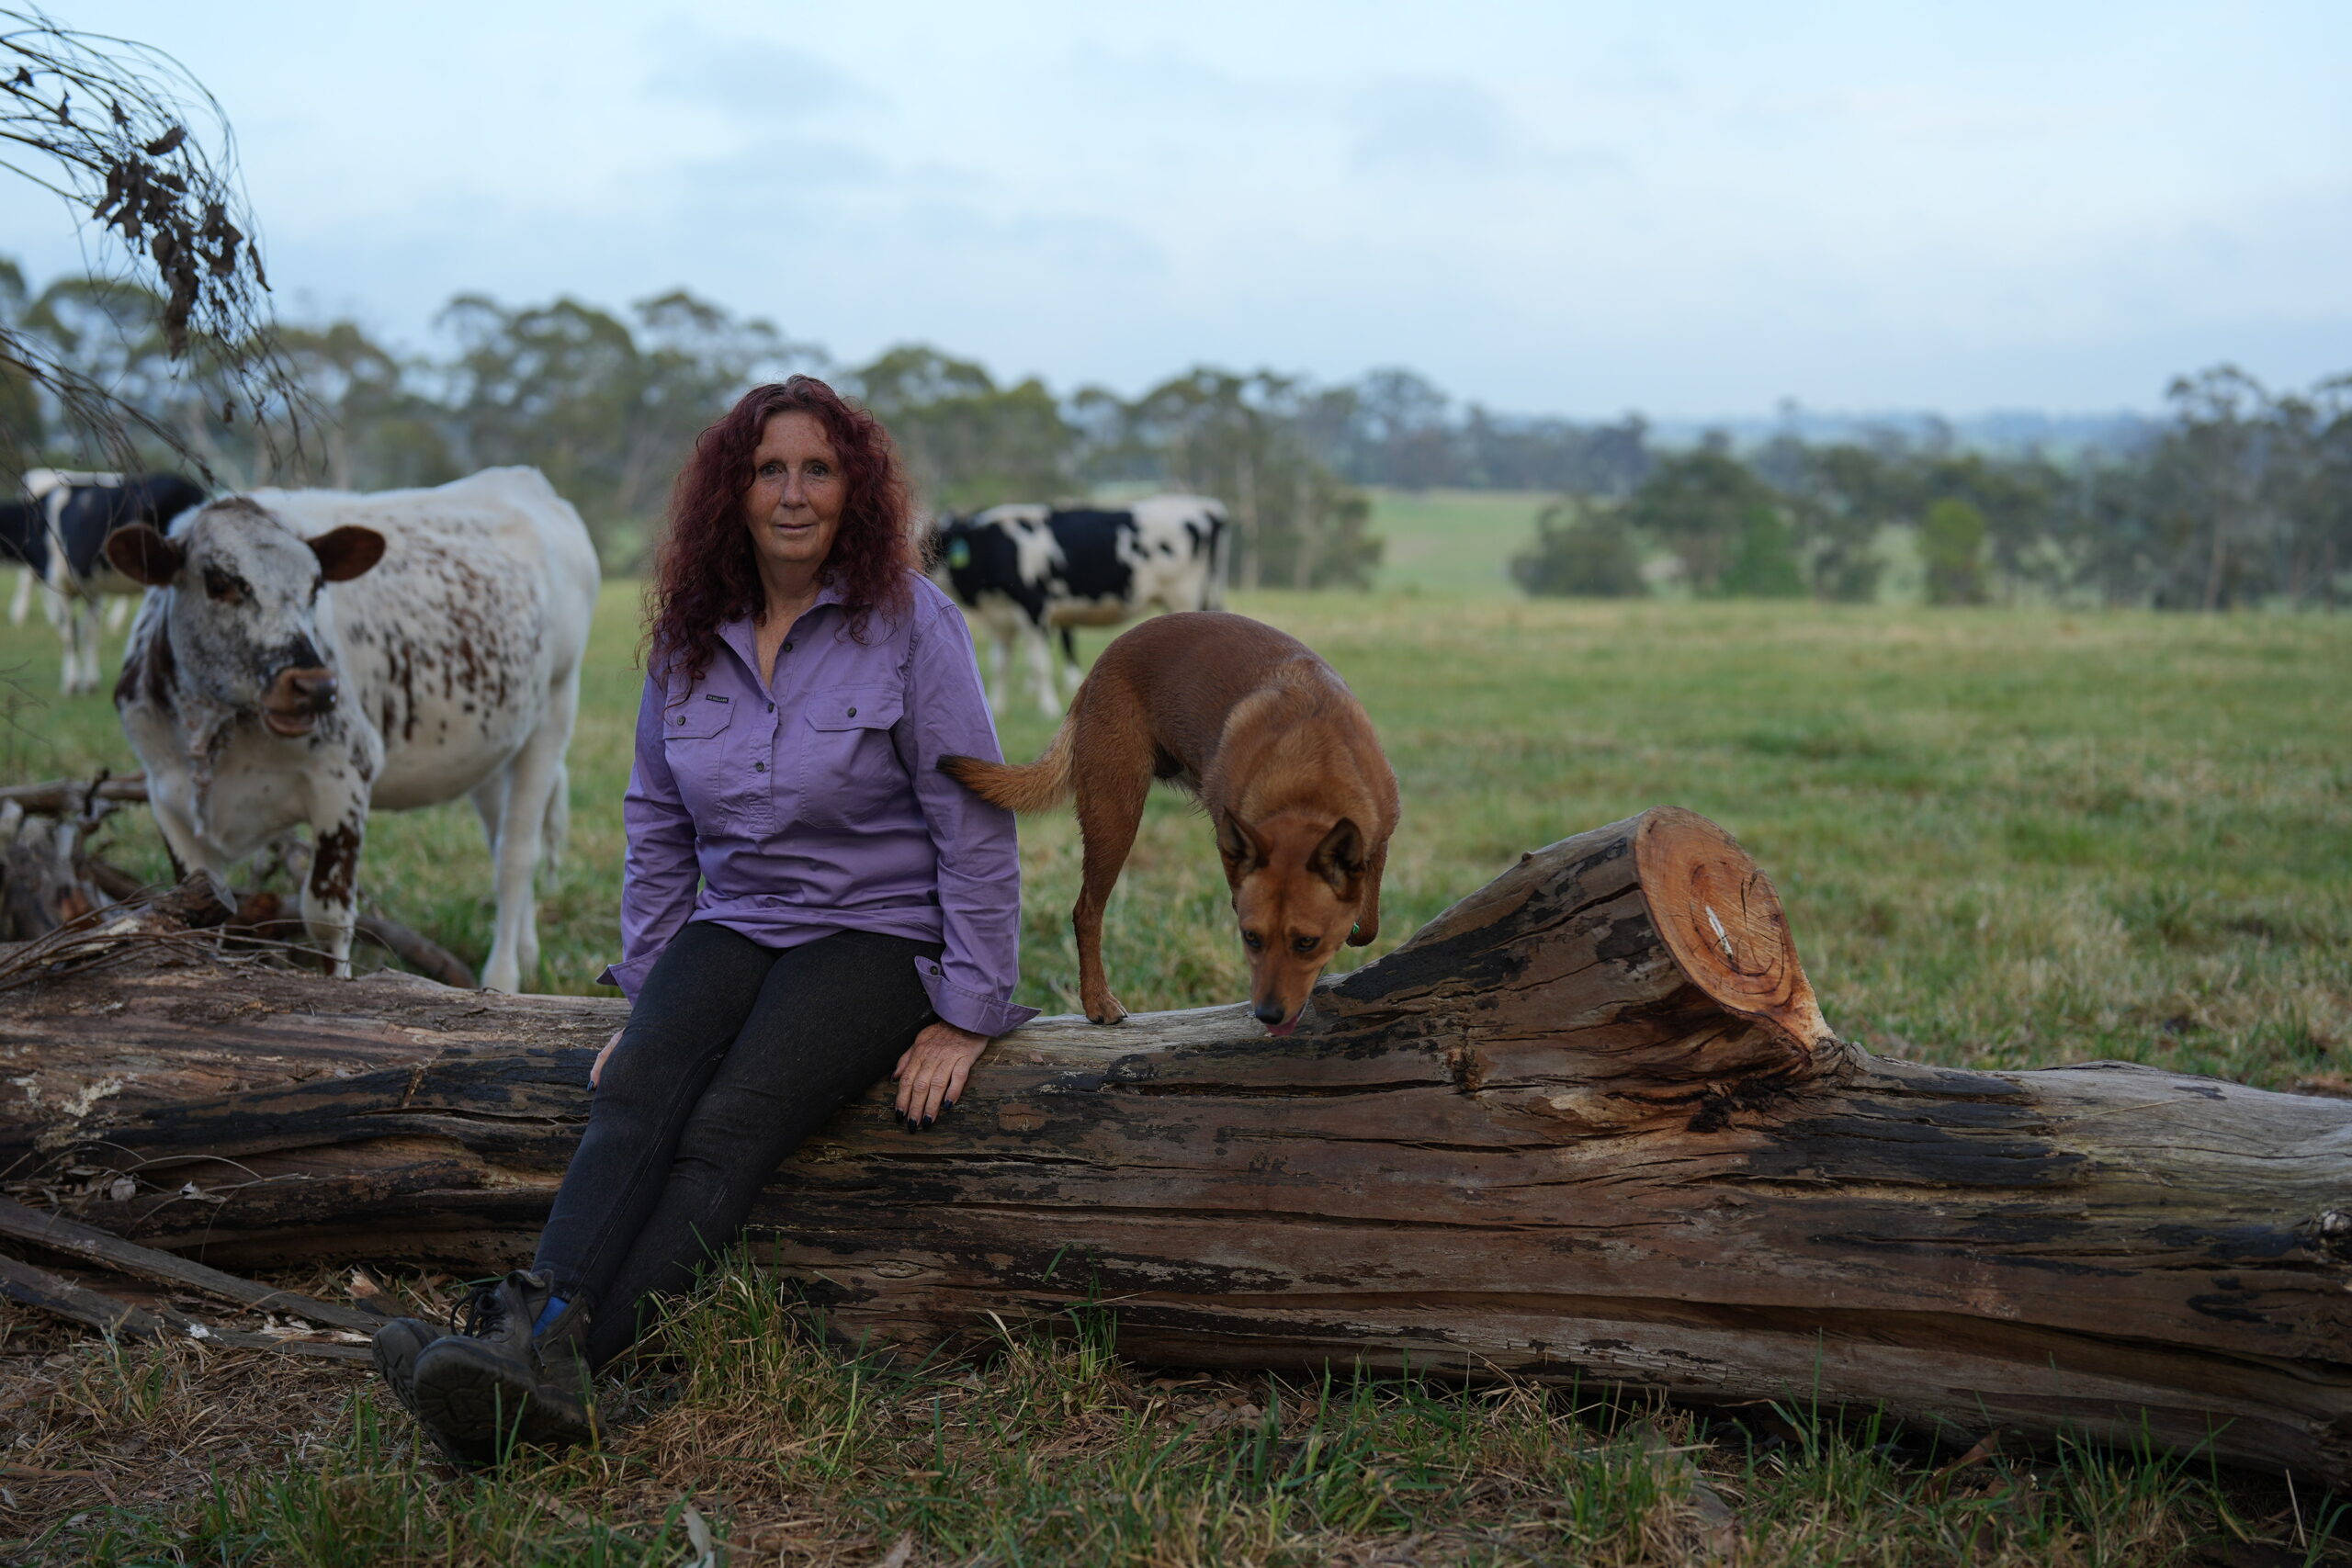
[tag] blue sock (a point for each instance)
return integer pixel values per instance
(548, 1315)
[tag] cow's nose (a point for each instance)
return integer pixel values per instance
(1269, 1012)
(313, 690)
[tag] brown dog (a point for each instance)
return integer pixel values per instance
(1280, 755)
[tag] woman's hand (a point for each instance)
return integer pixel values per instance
(930, 1075)
(597, 1069)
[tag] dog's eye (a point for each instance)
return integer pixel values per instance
(1304, 946)
(1252, 941)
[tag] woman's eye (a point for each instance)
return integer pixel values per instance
(771, 470)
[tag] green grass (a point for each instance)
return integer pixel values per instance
(2004, 838)
(1046, 1448)
(1452, 541)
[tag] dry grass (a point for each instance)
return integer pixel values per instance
(1036, 1446)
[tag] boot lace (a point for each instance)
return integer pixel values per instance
(483, 1313)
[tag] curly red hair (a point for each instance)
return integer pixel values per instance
(705, 574)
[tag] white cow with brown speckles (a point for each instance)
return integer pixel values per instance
(306, 656)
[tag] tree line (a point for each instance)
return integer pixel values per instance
(2242, 496)
(608, 402)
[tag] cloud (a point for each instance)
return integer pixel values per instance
(1430, 126)
(753, 78)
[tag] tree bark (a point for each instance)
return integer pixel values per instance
(1589, 1124)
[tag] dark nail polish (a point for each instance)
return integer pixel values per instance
(943, 1109)
(927, 1122)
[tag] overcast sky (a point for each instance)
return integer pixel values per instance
(1691, 209)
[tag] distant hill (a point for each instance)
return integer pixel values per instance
(2005, 432)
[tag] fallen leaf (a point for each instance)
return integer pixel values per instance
(897, 1556)
(698, 1537)
(1984, 1447)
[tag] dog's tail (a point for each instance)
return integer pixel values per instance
(1042, 783)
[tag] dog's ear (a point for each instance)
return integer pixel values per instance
(1338, 858)
(1242, 850)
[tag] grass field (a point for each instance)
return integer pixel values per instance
(1452, 541)
(2004, 838)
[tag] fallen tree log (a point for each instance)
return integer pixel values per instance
(48, 880)
(85, 1244)
(1588, 1124)
(44, 1292)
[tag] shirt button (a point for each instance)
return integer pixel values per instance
(787, 644)
(759, 767)
(853, 713)
(771, 707)
(681, 719)
(935, 968)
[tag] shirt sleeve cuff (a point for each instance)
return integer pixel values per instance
(630, 976)
(969, 1009)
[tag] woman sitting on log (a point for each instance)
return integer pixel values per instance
(856, 907)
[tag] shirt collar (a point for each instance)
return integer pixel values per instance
(741, 634)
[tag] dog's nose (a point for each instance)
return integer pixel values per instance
(1269, 1012)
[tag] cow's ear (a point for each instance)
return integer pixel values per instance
(1241, 849)
(346, 553)
(141, 554)
(1338, 858)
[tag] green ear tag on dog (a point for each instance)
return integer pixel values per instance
(1356, 929)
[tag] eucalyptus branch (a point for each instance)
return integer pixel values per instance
(141, 152)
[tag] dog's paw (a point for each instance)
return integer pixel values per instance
(1105, 1010)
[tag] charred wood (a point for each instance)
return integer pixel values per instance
(1589, 1124)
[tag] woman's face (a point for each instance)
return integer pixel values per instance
(794, 508)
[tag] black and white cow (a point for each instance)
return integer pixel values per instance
(1026, 572)
(307, 656)
(72, 514)
(24, 541)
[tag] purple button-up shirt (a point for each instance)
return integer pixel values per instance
(816, 804)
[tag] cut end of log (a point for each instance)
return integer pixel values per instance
(1716, 911)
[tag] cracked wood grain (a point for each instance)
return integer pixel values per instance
(1588, 1124)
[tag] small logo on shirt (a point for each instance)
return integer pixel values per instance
(712, 697)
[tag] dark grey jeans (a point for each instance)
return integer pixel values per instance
(734, 1054)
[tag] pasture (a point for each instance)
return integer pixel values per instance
(1452, 541)
(2005, 838)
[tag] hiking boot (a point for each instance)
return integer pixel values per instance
(495, 1383)
(396, 1348)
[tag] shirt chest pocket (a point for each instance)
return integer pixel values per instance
(849, 769)
(696, 740)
